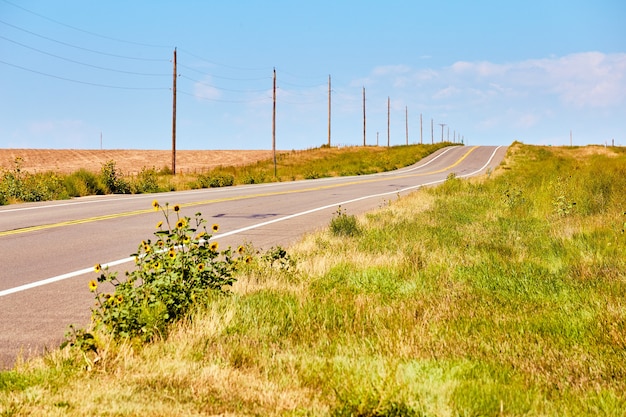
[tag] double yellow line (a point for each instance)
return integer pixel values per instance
(220, 200)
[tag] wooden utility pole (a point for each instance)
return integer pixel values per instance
(329, 110)
(274, 124)
(174, 116)
(442, 126)
(406, 122)
(421, 131)
(388, 119)
(363, 116)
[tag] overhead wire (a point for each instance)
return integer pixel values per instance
(83, 30)
(80, 47)
(81, 63)
(221, 88)
(81, 82)
(290, 92)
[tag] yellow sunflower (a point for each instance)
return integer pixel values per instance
(93, 285)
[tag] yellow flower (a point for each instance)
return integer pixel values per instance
(157, 265)
(172, 253)
(97, 268)
(240, 249)
(200, 267)
(93, 285)
(215, 227)
(146, 248)
(186, 240)
(248, 259)
(119, 298)
(176, 207)
(159, 224)
(180, 223)
(155, 204)
(214, 246)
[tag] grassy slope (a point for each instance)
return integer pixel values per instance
(498, 297)
(18, 185)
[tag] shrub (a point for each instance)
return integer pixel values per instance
(215, 180)
(179, 268)
(112, 179)
(82, 183)
(146, 182)
(343, 224)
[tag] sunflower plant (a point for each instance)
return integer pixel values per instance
(176, 269)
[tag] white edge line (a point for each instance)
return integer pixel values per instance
(236, 231)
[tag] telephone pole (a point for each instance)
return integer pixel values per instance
(421, 131)
(363, 116)
(274, 123)
(174, 117)
(406, 122)
(442, 125)
(329, 110)
(388, 120)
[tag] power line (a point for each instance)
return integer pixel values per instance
(85, 31)
(223, 89)
(81, 82)
(221, 65)
(222, 77)
(80, 47)
(80, 63)
(223, 101)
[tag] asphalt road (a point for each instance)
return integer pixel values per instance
(48, 249)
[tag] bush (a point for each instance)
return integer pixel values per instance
(215, 180)
(112, 179)
(24, 186)
(82, 183)
(343, 224)
(146, 182)
(179, 268)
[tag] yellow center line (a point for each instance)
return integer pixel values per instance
(224, 199)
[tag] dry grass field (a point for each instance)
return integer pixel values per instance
(128, 161)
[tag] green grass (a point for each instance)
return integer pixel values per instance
(17, 185)
(486, 297)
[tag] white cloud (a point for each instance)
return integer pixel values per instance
(204, 90)
(446, 92)
(589, 79)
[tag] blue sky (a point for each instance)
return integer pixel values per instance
(85, 74)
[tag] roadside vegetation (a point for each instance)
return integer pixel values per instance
(17, 185)
(497, 296)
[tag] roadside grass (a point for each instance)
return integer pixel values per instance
(17, 185)
(499, 296)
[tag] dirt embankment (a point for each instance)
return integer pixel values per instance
(128, 161)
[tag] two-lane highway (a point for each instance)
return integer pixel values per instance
(49, 249)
